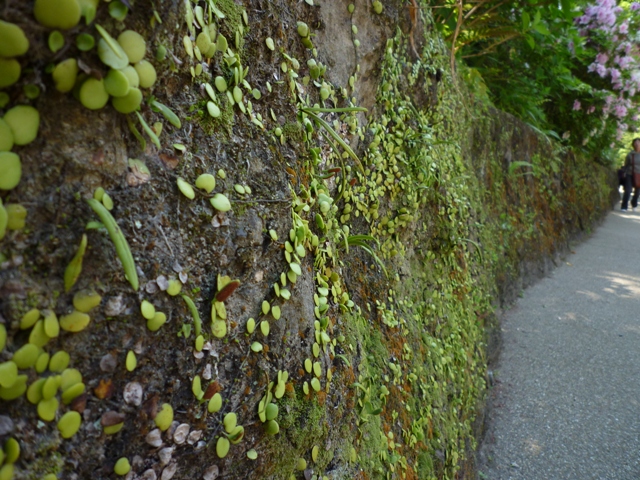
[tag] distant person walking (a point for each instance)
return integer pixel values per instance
(631, 167)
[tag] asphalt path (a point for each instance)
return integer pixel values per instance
(565, 404)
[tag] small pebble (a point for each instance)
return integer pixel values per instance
(162, 282)
(133, 393)
(151, 287)
(180, 435)
(148, 475)
(6, 425)
(172, 428)
(108, 363)
(169, 471)
(114, 306)
(137, 462)
(194, 436)
(154, 438)
(211, 473)
(165, 455)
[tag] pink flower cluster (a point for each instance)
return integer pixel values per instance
(606, 27)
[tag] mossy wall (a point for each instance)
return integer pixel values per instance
(371, 248)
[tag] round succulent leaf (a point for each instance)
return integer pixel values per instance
(131, 361)
(6, 136)
(42, 362)
(38, 336)
(8, 374)
(55, 41)
(213, 109)
(75, 321)
(132, 76)
(265, 328)
(59, 361)
(93, 94)
(69, 424)
(9, 72)
(206, 182)
(221, 84)
(219, 328)
(251, 325)
(73, 392)
(11, 450)
(112, 54)
(237, 434)
(222, 447)
(122, 466)
(49, 388)
(26, 356)
(118, 10)
(230, 421)
(116, 83)
(85, 42)
(164, 417)
(47, 409)
(185, 188)
(34, 392)
(220, 202)
(13, 41)
(52, 326)
(146, 72)
(157, 321)
(271, 411)
(215, 403)
(65, 75)
(315, 384)
(10, 171)
(62, 14)
(271, 427)
(129, 103)
(24, 121)
(86, 300)
(69, 378)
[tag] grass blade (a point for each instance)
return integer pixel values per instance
(119, 241)
(335, 136)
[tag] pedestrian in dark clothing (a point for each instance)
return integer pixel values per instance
(631, 164)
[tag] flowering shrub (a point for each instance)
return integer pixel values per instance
(570, 68)
(612, 32)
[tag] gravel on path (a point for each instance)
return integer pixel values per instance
(565, 404)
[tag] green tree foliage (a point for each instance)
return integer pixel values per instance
(532, 59)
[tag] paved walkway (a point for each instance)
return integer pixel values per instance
(566, 400)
